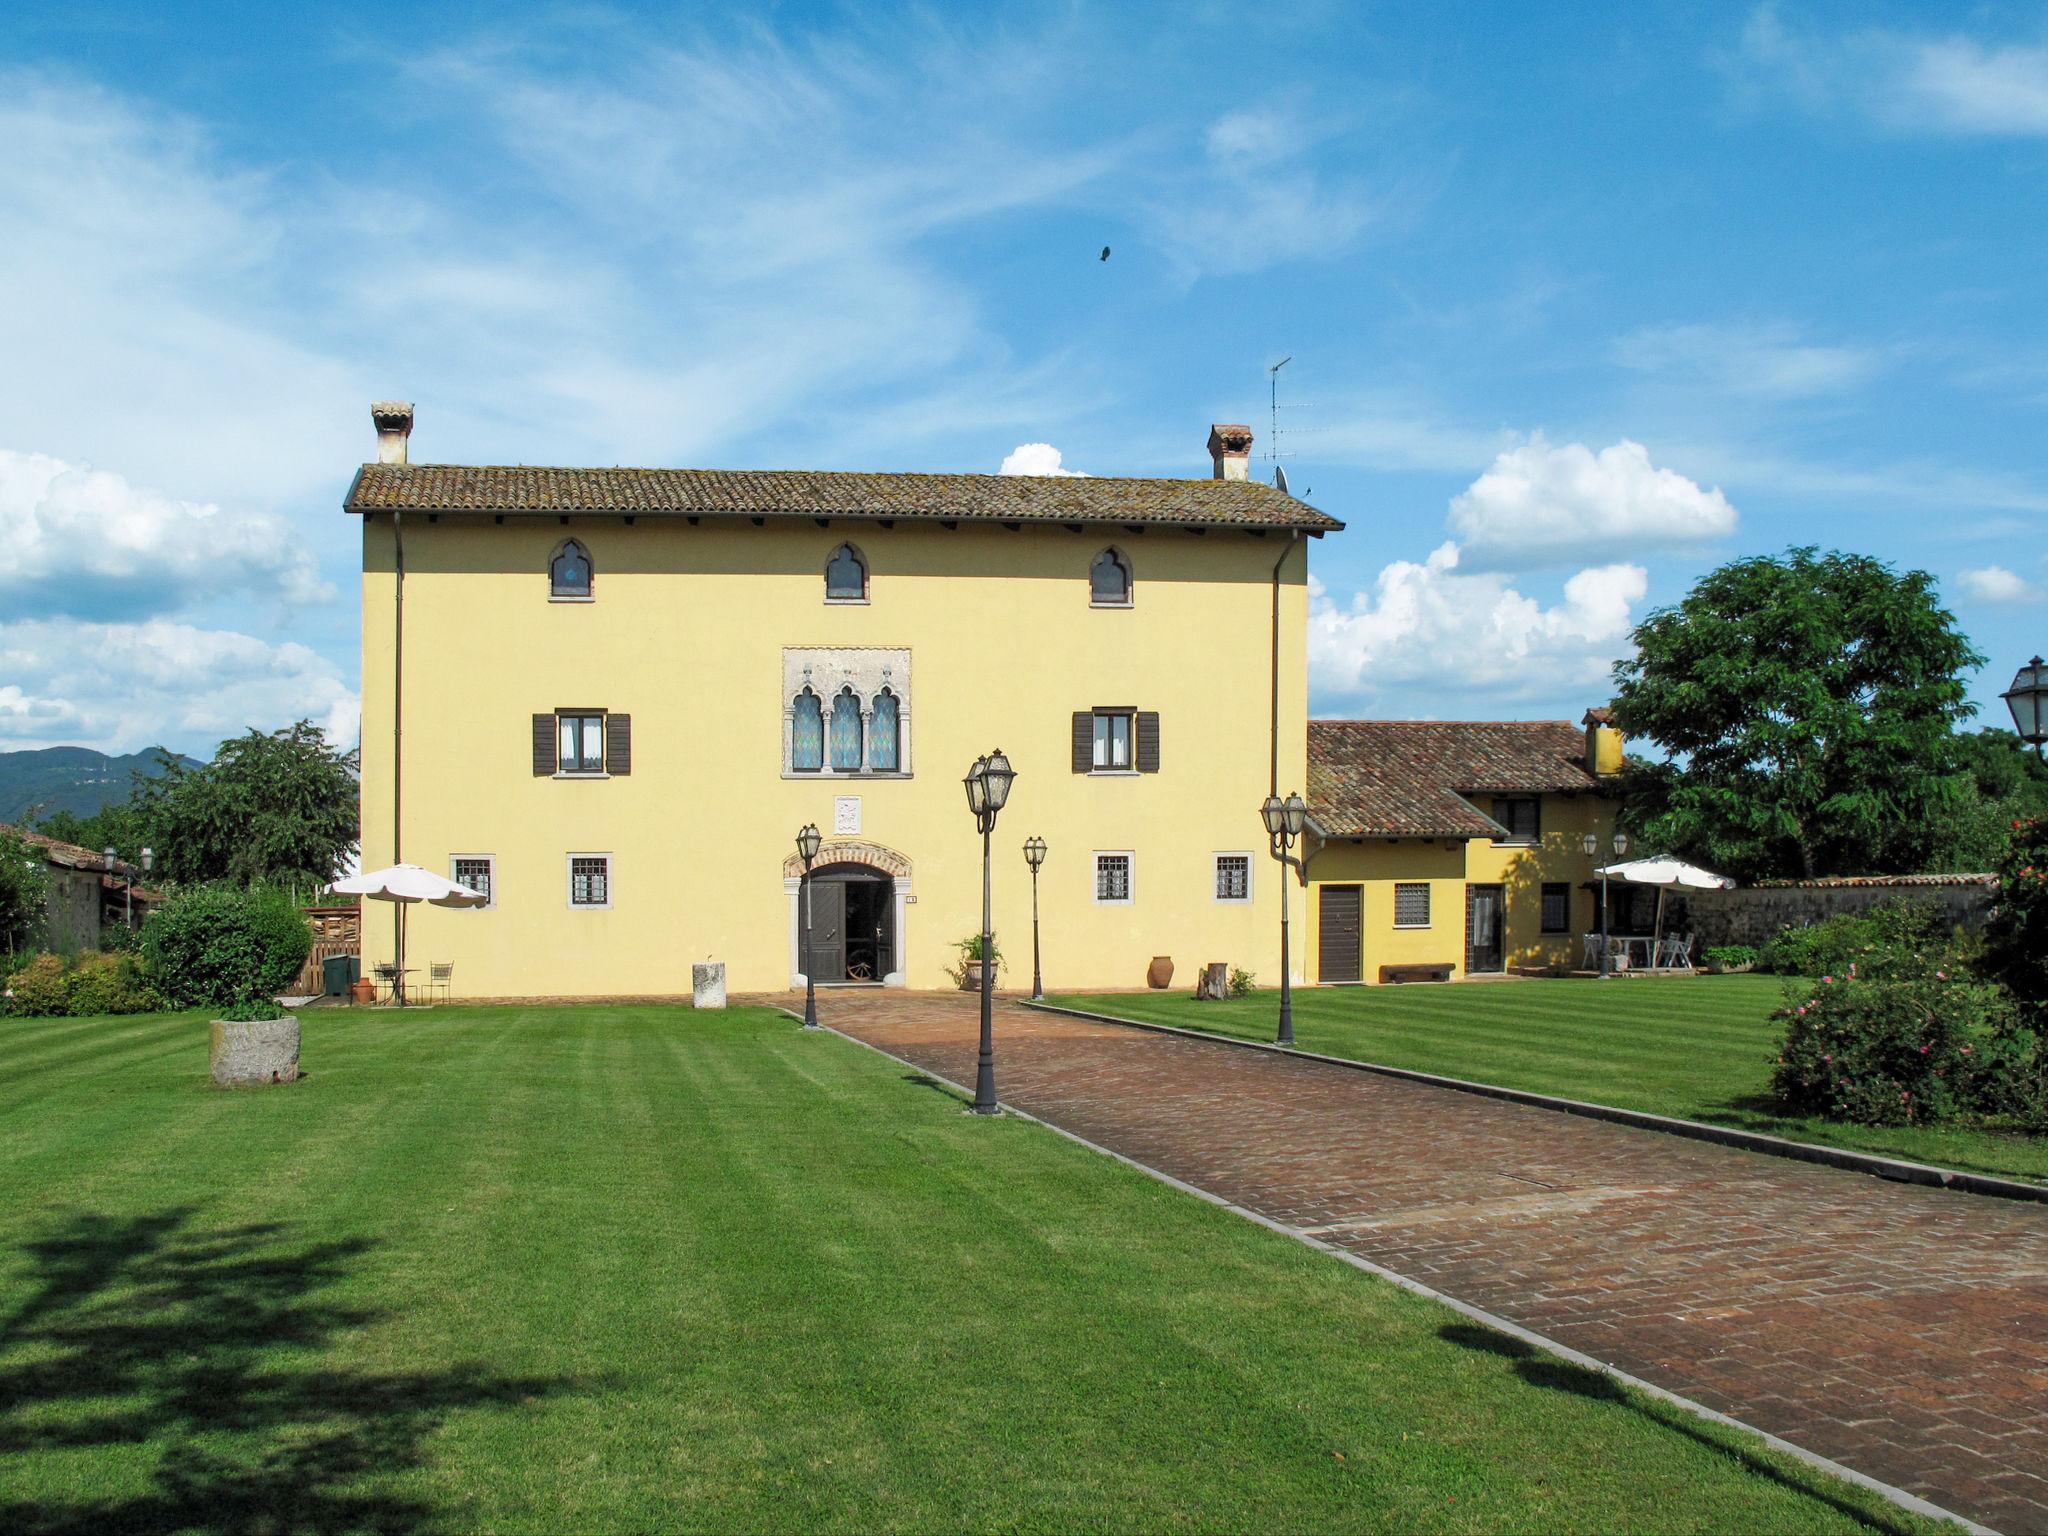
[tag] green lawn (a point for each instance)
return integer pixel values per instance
(616, 1268)
(1701, 1048)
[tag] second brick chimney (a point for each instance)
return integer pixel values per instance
(394, 426)
(1603, 742)
(1230, 450)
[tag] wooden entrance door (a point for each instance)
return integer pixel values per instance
(1339, 934)
(827, 958)
(1485, 943)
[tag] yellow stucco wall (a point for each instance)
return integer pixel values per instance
(687, 633)
(1522, 869)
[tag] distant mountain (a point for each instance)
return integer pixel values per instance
(75, 779)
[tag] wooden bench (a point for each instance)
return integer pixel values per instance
(1437, 971)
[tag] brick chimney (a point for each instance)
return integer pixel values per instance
(1603, 742)
(1230, 450)
(394, 426)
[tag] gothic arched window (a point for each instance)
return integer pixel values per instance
(1109, 580)
(846, 576)
(807, 733)
(569, 571)
(846, 732)
(883, 756)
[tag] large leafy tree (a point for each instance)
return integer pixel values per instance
(24, 892)
(276, 807)
(1808, 703)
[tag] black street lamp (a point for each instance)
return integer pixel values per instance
(1034, 855)
(1591, 843)
(988, 789)
(807, 842)
(2027, 698)
(1284, 822)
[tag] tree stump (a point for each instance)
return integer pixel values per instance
(1213, 984)
(254, 1052)
(707, 984)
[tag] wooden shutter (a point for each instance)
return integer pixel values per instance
(1338, 937)
(1148, 741)
(618, 744)
(543, 745)
(1084, 741)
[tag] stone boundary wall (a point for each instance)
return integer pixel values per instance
(1755, 914)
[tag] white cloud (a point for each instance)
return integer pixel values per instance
(1908, 83)
(1540, 500)
(83, 541)
(1996, 584)
(1258, 202)
(1430, 623)
(1769, 360)
(120, 687)
(1037, 459)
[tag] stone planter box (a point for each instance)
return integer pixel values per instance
(707, 984)
(254, 1052)
(1720, 968)
(970, 977)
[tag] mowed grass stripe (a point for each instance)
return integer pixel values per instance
(638, 1268)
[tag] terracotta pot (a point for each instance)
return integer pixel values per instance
(970, 981)
(1159, 974)
(362, 991)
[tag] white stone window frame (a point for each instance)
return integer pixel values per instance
(1130, 895)
(1428, 905)
(867, 670)
(1216, 877)
(611, 888)
(490, 862)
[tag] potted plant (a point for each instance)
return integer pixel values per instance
(967, 971)
(1726, 959)
(234, 950)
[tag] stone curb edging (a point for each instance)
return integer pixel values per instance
(1899, 1496)
(1896, 1169)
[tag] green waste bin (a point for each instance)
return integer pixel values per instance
(337, 972)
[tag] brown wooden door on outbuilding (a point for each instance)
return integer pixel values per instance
(1339, 934)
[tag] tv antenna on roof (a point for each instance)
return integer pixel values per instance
(1273, 449)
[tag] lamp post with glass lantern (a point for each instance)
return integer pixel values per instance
(988, 790)
(1591, 843)
(807, 842)
(1034, 855)
(1284, 821)
(2027, 698)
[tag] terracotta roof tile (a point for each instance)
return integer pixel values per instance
(1409, 778)
(523, 490)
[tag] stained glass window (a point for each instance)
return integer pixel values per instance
(882, 734)
(569, 572)
(846, 574)
(807, 733)
(846, 732)
(1109, 579)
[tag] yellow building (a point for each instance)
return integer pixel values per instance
(610, 698)
(1456, 845)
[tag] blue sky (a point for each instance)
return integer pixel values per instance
(1581, 301)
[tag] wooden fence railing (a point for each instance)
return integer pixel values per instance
(336, 931)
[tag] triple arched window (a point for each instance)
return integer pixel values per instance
(569, 571)
(846, 733)
(1109, 580)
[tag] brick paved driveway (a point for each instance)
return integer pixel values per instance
(1899, 1330)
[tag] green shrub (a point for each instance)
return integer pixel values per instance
(1243, 983)
(109, 983)
(1732, 957)
(1899, 940)
(36, 990)
(2016, 938)
(1884, 1052)
(226, 947)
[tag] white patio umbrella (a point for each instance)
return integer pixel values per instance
(1666, 874)
(407, 884)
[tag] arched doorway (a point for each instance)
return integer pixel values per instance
(858, 904)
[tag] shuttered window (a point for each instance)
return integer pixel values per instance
(1411, 904)
(1116, 739)
(582, 741)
